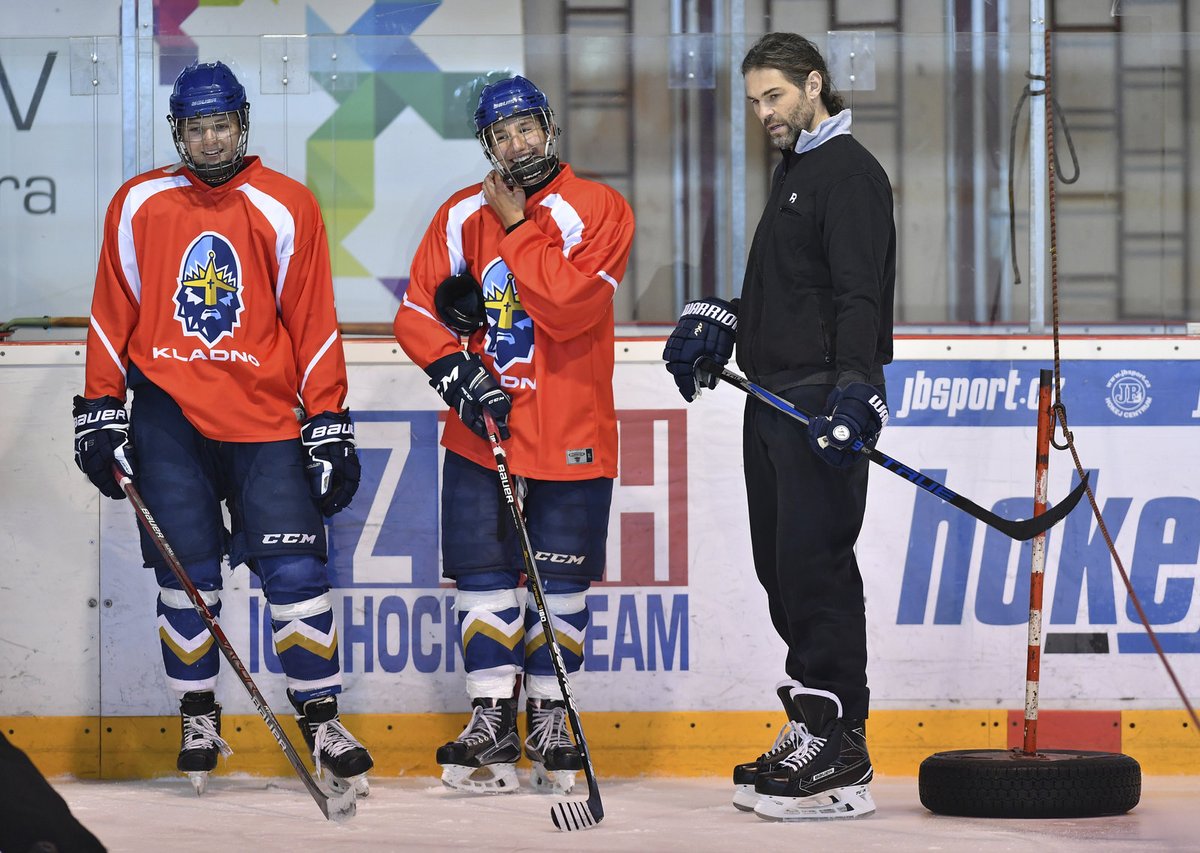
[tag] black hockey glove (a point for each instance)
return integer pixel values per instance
(468, 388)
(459, 302)
(102, 438)
(855, 413)
(703, 338)
(333, 469)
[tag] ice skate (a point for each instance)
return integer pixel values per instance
(791, 737)
(333, 747)
(201, 741)
(482, 758)
(827, 777)
(555, 758)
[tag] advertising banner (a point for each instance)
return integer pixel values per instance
(680, 622)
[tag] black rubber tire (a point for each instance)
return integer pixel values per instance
(1008, 783)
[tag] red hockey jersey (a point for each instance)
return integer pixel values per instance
(222, 297)
(548, 290)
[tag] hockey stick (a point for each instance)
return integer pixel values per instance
(571, 814)
(334, 808)
(1019, 530)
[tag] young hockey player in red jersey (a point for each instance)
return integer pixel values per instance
(214, 306)
(525, 265)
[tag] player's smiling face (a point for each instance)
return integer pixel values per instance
(517, 139)
(212, 140)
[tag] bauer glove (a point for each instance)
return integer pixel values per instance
(102, 438)
(701, 344)
(333, 469)
(856, 413)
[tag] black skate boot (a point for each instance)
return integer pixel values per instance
(555, 757)
(481, 759)
(791, 737)
(333, 747)
(201, 741)
(828, 776)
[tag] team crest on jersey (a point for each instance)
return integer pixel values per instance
(510, 329)
(209, 298)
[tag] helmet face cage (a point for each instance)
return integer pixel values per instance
(208, 97)
(223, 125)
(512, 98)
(534, 168)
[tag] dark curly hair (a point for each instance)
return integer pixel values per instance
(795, 57)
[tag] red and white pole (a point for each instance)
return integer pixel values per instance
(1033, 663)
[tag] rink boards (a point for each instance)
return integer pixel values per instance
(679, 656)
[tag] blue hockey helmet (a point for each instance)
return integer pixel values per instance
(206, 97)
(204, 88)
(508, 99)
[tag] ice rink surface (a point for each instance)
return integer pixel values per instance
(267, 815)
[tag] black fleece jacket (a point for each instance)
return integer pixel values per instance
(816, 302)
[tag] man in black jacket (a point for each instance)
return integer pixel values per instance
(814, 324)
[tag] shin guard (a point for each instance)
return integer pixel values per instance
(492, 634)
(190, 655)
(569, 617)
(306, 642)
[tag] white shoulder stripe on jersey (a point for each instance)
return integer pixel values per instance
(126, 250)
(567, 218)
(284, 223)
(108, 347)
(570, 224)
(315, 359)
(459, 214)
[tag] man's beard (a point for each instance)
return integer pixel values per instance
(788, 141)
(796, 121)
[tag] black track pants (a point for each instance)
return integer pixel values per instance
(805, 516)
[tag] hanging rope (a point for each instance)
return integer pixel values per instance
(1012, 159)
(1060, 408)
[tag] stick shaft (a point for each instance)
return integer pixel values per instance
(260, 703)
(1019, 530)
(508, 487)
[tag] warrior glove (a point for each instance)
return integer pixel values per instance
(856, 413)
(701, 344)
(102, 438)
(333, 469)
(468, 388)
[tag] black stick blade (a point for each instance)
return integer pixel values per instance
(1031, 527)
(573, 815)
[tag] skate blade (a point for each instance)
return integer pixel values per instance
(555, 782)
(359, 784)
(744, 798)
(199, 780)
(488, 779)
(838, 803)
